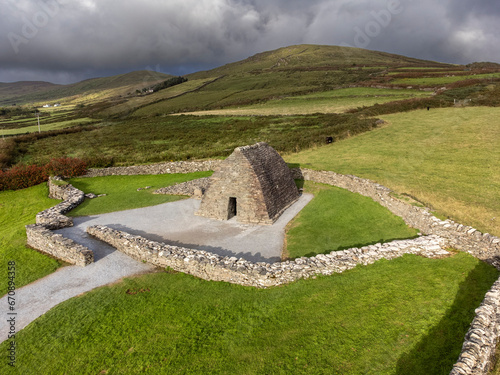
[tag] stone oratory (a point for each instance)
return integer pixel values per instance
(253, 183)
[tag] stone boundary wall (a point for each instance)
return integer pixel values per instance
(40, 235)
(481, 340)
(194, 188)
(483, 246)
(53, 218)
(210, 266)
(43, 239)
(160, 168)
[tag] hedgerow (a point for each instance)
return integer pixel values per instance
(23, 176)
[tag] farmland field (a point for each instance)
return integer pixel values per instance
(334, 101)
(432, 81)
(447, 158)
(168, 138)
(45, 127)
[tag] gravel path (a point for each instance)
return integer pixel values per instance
(176, 224)
(173, 223)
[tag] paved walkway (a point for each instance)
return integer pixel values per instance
(173, 223)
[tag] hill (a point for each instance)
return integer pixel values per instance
(12, 93)
(105, 87)
(308, 57)
(288, 71)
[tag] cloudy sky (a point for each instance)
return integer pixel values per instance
(65, 41)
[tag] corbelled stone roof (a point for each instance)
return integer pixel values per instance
(259, 183)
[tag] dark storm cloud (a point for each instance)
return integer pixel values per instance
(68, 40)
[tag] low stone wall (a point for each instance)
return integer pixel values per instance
(43, 239)
(53, 218)
(160, 168)
(483, 246)
(482, 338)
(40, 236)
(209, 266)
(194, 188)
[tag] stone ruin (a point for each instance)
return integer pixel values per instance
(253, 183)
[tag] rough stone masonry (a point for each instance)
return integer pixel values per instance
(253, 183)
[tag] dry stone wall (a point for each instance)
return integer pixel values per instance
(482, 338)
(160, 168)
(43, 239)
(194, 188)
(465, 238)
(215, 267)
(40, 235)
(54, 218)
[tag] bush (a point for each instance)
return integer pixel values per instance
(67, 167)
(23, 176)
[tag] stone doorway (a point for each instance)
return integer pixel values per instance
(231, 209)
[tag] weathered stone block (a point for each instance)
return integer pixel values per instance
(253, 183)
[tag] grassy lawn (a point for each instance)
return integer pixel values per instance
(447, 158)
(406, 316)
(18, 208)
(334, 101)
(337, 219)
(121, 192)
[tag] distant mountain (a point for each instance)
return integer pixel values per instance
(35, 92)
(10, 93)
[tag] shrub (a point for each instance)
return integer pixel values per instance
(67, 167)
(23, 176)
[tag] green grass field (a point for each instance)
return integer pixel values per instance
(334, 101)
(47, 127)
(337, 219)
(405, 316)
(433, 81)
(168, 138)
(249, 88)
(447, 158)
(141, 101)
(18, 208)
(121, 192)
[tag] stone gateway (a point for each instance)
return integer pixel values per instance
(253, 183)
